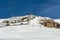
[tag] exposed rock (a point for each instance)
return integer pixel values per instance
(18, 20)
(6, 22)
(57, 25)
(50, 24)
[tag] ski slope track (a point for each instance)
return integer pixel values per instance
(31, 31)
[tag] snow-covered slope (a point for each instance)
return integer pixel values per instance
(57, 20)
(31, 31)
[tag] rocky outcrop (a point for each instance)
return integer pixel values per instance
(18, 20)
(50, 23)
(6, 22)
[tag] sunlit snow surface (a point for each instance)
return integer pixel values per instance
(32, 31)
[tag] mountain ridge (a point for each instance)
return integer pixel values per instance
(25, 20)
(33, 29)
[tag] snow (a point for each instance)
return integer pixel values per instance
(31, 31)
(57, 20)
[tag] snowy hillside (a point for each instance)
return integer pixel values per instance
(28, 29)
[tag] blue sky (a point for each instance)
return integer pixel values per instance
(50, 8)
